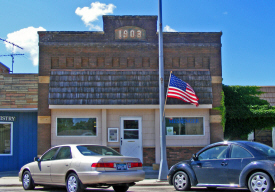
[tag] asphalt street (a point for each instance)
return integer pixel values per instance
(131, 189)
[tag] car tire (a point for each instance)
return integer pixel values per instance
(260, 181)
(27, 181)
(181, 181)
(73, 184)
(120, 188)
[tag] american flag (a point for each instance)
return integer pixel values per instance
(180, 90)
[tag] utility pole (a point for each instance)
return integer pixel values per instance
(163, 169)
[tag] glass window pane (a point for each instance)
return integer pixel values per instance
(49, 155)
(239, 152)
(5, 138)
(130, 124)
(64, 153)
(93, 150)
(131, 134)
(218, 152)
(184, 126)
(76, 127)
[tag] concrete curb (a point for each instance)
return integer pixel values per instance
(14, 182)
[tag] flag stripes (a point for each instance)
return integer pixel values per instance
(180, 90)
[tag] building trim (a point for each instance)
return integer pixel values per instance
(215, 118)
(44, 79)
(202, 106)
(44, 119)
(216, 79)
(19, 109)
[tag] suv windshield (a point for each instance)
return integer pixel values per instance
(263, 148)
(93, 150)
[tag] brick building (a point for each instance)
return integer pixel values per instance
(102, 88)
(18, 118)
(263, 135)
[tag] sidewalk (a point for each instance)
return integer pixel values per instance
(10, 178)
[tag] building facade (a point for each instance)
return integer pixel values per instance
(102, 88)
(266, 136)
(18, 119)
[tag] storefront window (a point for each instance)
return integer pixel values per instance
(184, 126)
(76, 127)
(5, 138)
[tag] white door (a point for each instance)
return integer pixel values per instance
(131, 137)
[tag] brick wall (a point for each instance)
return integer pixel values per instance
(265, 136)
(269, 94)
(18, 90)
(174, 154)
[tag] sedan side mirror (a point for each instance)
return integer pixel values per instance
(37, 159)
(195, 157)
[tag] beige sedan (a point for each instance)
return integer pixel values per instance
(80, 166)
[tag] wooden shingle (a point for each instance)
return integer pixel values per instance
(121, 87)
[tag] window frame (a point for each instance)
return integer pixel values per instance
(58, 151)
(227, 152)
(53, 157)
(56, 132)
(11, 138)
(230, 152)
(203, 119)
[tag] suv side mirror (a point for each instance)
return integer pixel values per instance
(195, 157)
(37, 159)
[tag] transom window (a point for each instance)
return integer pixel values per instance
(184, 126)
(76, 127)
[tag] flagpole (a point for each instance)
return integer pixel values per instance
(163, 169)
(166, 94)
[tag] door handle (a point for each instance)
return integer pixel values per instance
(121, 141)
(223, 163)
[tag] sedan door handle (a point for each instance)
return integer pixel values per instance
(223, 163)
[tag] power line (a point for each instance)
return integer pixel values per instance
(11, 43)
(12, 55)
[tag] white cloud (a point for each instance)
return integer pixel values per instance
(26, 38)
(225, 13)
(169, 29)
(89, 15)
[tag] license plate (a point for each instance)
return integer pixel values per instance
(121, 166)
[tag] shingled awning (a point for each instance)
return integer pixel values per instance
(121, 87)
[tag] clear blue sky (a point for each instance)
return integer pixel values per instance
(248, 26)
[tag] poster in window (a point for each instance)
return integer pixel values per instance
(170, 130)
(112, 134)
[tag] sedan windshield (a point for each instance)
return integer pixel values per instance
(93, 150)
(263, 148)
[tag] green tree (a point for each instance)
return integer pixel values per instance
(243, 111)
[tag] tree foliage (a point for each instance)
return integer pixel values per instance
(243, 111)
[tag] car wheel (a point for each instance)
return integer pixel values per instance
(73, 183)
(120, 188)
(27, 181)
(260, 182)
(181, 181)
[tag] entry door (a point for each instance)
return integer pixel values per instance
(131, 137)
